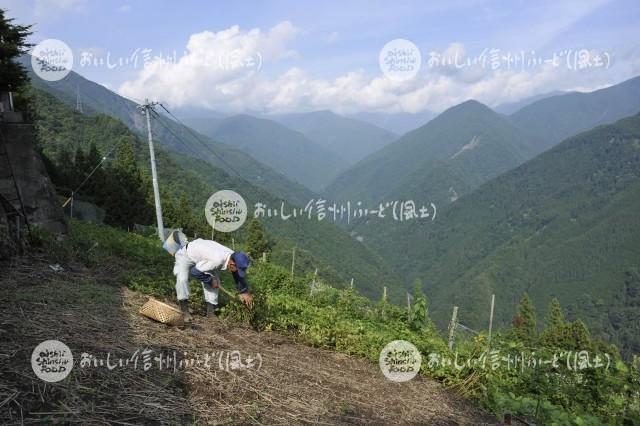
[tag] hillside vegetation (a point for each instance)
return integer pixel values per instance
(605, 390)
(74, 144)
(563, 225)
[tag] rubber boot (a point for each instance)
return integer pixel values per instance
(211, 309)
(184, 307)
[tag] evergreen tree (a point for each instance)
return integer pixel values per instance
(127, 192)
(256, 240)
(80, 169)
(64, 169)
(13, 44)
(96, 184)
(579, 336)
(554, 333)
(524, 327)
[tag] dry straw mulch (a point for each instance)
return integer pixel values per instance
(294, 383)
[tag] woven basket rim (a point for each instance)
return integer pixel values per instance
(154, 300)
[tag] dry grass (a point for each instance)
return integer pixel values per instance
(295, 384)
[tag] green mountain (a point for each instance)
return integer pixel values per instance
(204, 125)
(398, 123)
(452, 154)
(553, 119)
(280, 148)
(511, 107)
(176, 137)
(319, 244)
(565, 225)
(349, 139)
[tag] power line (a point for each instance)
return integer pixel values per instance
(195, 136)
(104, 158)
(204, 144)
(178, 138)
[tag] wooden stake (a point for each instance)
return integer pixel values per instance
(493, 302)
(313, 283)
(452, 327)
(293, 261)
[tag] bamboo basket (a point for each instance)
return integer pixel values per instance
(161, 312)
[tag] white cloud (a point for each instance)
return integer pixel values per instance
(206, 77)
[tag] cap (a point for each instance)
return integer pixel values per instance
(242, 262)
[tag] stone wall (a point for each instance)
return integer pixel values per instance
(41, 203)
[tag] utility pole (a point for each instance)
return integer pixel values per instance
(146, 110)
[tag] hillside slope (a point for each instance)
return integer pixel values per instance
(461, 148)
(564, 225)
(398, 123)
(176, 137)
(550, 120)
(280, 148)
(321, 245)
(290, 383)
(347, 138)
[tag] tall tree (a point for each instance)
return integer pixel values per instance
(13, 44)
(257, 242)
(524, 324)
(579, 335)
(127, 195)
(554, 333)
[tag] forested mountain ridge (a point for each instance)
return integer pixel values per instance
(346, 137)
(565, 224)
(456, 151)
(285, 150)
(550, 120)
(97, 98)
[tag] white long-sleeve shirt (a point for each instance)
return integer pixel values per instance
(208, 255)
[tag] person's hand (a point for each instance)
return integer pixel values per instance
(215, 283)
(247, 299)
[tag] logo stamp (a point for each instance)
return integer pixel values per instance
(400, 361)
(226, 211)
(51, 59)
(52, 361)
(400, 60)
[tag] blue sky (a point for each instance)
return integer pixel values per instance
(317, 55)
